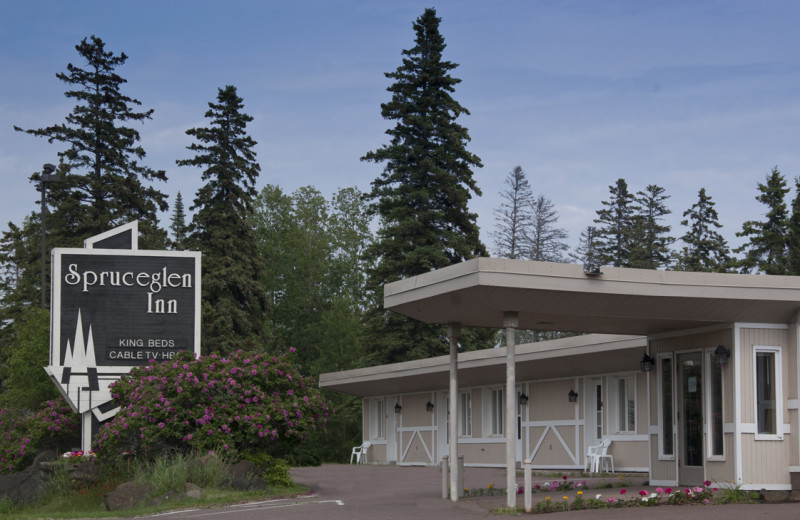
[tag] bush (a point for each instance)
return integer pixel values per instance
(246, 402)
(24, 434)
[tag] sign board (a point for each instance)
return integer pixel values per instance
(115, 309)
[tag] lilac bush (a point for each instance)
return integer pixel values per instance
(244, 402)
(23, 433)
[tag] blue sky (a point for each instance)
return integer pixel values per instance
(683, 94)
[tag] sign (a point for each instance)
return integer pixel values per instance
(115, 309)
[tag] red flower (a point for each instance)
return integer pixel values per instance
(623, 491)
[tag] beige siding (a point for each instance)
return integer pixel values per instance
(765, 462)
(554, 446)
(417, 447)
(549, 400)
(484, 453)
(376, 453)
(723, 471)
(365, 418)
(662, 470)
(629, 454)
(414, 412)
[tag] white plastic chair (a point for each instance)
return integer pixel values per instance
(360, 453)
(598, 454)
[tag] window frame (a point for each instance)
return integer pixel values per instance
(711, 367)
(662, 454)
(377, 423)
(493, 412)
(630, 393)
(465, 414)
(777, 366)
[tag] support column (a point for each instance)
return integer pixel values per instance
(511, 323)
(454, 332)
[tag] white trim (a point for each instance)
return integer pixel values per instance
(793, 404)
(653, 429)
(794, 469)
(633, 437)
(778, 384)
(708, 366)
(777, 326)
(408, 429)
(737, 403)
(481, 440)
(660, 405)
(563, 422)
(768, 487)
(747, 428)
(690, 332)
(133, 227)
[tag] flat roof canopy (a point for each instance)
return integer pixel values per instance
(555, 296)
(566, 357)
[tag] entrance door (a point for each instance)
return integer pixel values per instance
(690, 419)
(594, 413)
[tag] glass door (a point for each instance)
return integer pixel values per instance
(690, 419)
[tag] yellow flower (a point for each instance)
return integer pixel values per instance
(548, 498)
(565, 497)
(489, 486)
(580, 492)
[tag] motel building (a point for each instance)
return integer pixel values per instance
(691, 376)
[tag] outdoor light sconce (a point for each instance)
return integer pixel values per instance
(523, 399)
(721, 355)
(646, 363)
(573, 396)
(429, 406)
(397, 408)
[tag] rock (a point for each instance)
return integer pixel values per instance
(26, 486)
(192, 491)
(169, 496)
(127, 495)
(245, 476)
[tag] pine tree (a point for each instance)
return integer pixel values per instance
(234, 301)
(650, 247)
(766, 250)
(705, 250)
(514, 216)
(793, 240)
(616, 226)
(178, 223)
(422, 194)
(545, 241)
(103, 185)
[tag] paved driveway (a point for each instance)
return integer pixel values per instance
(366, 492)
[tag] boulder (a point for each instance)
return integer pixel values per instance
(127, 495)
(245, 476)
(192, 491)
(26, 486)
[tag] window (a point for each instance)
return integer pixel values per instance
(496, 414)
(667, 425)
(377, 416)
(465, 415)
(625, 404)
(769, 413)
(715, 423)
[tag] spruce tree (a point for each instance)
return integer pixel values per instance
(705, 249)
(587, 251)
(545, 241)
(793, 239)
(650, 248)
(234, 301)
(422, 194)
(514, 216)
(178, 223)
(103, 183)
(766, 250)
(616, 226)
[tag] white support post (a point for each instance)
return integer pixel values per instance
(86, 431)
(528, 486)
(511, 322)
(454, 332)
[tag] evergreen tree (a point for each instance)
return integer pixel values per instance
(103, 184)
(616, 226)
(705, 250)
(422, 194)
(234, 302)
(587, 251)
(793, 241)
(650, 247)
(766, 250)
(178, 223)
(545, 241)
(514, 216)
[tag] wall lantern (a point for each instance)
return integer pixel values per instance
(646, 363)
(573, 396)
(429, 406)
(397, 408)
(721, 355)
(523, 399)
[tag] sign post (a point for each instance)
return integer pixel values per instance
(116, 309)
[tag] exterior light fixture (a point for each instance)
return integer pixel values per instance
(397, 408)
(646, 363)
(429, 406)
(523, 399)
(721, 355)
(573, 396)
